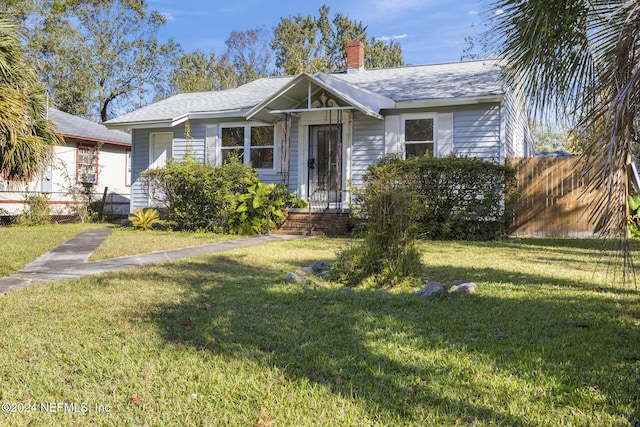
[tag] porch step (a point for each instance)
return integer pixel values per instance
(318, 223)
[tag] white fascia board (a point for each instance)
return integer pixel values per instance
(169, 123)
(446, 102)
(353, 92)
(226, 114)
(255, 110)
(139, 125)
(345, 97)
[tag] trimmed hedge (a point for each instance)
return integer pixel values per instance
(458, 198)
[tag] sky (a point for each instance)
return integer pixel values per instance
(429, 31)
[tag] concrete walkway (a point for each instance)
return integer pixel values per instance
(70, 259)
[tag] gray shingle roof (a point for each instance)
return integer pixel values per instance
(70, 125)
(241, 98)
(426, 82)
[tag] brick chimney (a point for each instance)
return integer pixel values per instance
(355, 56)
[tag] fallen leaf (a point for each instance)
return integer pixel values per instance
(423, 383)
(266, 421)
(187, 322)
(207, 306)
(135, 399)
(1, 345)
(338, 380)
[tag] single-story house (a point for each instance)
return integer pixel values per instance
(317, 133)
(92, 156)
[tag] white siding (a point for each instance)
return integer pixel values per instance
(476, 132)
(195, 145)
(368, 145)
(140, 162)
(111, 175)
(518, 140)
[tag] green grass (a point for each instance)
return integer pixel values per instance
(128, 241)
(21, 245)
(223, 340)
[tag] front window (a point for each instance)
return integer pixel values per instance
(419, 137)
(253, 145)
(233, 143)
(261, 147)
(87, 164)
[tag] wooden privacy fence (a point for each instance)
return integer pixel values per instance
(551, 200)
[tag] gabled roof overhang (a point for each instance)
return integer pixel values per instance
(297, 96)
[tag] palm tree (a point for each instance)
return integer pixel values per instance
(581, 60)
(26, 136)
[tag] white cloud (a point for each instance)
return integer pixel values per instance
(394, 37)
(499, 11)
(473, 12)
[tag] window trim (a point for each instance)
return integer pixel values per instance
(128, 170)
(247, 143)
(419, 116)
(94, 148)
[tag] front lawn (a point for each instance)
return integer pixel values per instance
(21, 245)
(129, 241)
(224, 340)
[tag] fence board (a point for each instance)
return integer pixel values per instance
(551, 198)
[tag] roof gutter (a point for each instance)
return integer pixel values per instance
(447, 102)
(169, 123)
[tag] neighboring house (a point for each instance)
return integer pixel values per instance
(318, 133)
(92, 156)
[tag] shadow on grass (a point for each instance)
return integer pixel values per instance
(442, 348)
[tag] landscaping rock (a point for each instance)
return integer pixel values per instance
(294, 277)
(318, 267)
(462, 286)
(432, 288)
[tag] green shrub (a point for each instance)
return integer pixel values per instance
(262, 207)
(633, 221)
(197, 196)
(221, 199)
(387, 255)
(36, 211)
(144, 219)
(460, 198)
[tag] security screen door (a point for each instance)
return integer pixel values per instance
(325, 164)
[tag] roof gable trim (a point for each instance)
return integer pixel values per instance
(347, 98)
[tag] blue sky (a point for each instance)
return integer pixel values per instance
(430, 31)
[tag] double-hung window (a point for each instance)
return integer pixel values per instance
(419, 135)
(87, 164)
(253, 145)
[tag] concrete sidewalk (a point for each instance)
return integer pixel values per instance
(70, 259)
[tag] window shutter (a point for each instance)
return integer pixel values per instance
(213, 144)
(445, 134)
(392, 143)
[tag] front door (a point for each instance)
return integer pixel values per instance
(325, 165)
